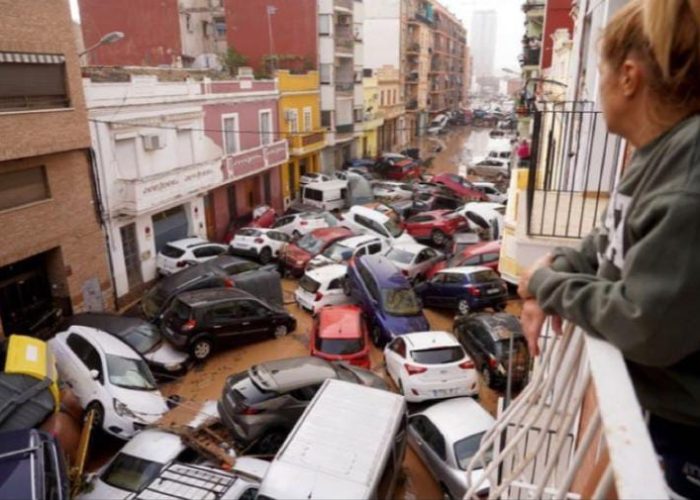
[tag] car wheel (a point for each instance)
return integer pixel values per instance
(377, 335)
(265, 255)
(438, 237)
(271, 442)
(463, 307)
(346, 286)
(280, 331)
(486, 374)
(99, 414)
(201, 349)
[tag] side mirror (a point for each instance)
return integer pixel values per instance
(94, 374)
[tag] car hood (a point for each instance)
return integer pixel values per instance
(293, 252)
(398, 325)
(148, 406)
(98, 489)
(165, 354)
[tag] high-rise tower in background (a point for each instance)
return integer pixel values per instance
(482, 42)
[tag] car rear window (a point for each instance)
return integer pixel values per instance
(172, 252)
(339, 346)
(483, 276)
(309, 284)
(130, 473)
(248, 232)
(438, 355)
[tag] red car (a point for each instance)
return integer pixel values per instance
(397, 167)
(293, 257)
(263, 216)
(339, 334)
(486, 253)
(460, 186)
(436, 225)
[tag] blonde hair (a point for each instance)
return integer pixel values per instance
(664, 35)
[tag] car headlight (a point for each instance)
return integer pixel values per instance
(173, 367)
(122, 409)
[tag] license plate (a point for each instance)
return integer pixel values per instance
(492, 291)
(445, 392)
(240, 245)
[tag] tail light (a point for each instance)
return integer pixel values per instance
(474, 291)
(466, 365)
(493, 362)
(181, 263)
(319, 296)
(189, 325)
(414, 370)
(228, 283)
(259, 240)
(404, 272)
(250, 411)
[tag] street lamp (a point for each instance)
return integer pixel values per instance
(111, 37)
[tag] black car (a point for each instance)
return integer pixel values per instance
(222, 271)
(487, 340)
(201, 320)
(145, 338)
(32, 466)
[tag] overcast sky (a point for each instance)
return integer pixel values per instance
(510, 25)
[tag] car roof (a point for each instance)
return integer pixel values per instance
(500, 325)
(327, 273)
(464, 269)
(355, 241)
(384, 271)
(412, 248)
(459, 418)
(186, 243)
(340, 322)
(111, 323)
(327, 185)
(155, 445)
(108, 343)
(427, 340)
(330, 233)
(195, 298)
(291, 373)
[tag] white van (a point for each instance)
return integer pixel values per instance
(329, 195)
(363, 220)
(349, 443)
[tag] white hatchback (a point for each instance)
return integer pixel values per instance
(341, 251)
(392, 191)
(322, 287)
(177, 255)
(297, 225)
(110, 377)
(259, 243)
(430, 365)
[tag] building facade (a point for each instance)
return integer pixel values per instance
(373, 116)
(179, 158)
(419, 49)
(447, 62)
(300, 124)
(53, 253)
(393, 132)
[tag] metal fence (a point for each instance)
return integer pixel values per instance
(573, 166)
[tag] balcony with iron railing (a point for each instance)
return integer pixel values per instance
(306, 142)
(576, 431)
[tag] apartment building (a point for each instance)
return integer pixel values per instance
(417, 61)
(373, 119)
(447, 62)
(53, 255)
(394, 131)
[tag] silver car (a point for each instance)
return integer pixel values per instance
(446, 436)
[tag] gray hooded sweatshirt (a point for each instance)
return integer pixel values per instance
(635, 281)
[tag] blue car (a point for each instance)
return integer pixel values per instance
(466, 289)
(386, 298)
(32, 466)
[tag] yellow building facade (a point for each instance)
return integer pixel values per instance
(300, 124)
(372, 118)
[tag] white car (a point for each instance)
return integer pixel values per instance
(438, 124)
(297, 225)
(259, 243)
(492, 192)
(446, 436)
(414, 260)
(490, 167)
(314, 177)
(484, 217)
(110, 377)
(177, 255)
(363, 220)
(392, 191)
(341, 251)
(430, 365)
(322, 287)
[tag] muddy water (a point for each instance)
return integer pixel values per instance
(459, 147)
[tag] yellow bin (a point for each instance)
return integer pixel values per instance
(32, 357)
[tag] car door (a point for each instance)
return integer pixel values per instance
(453, 289)
(277, 239)
(479, 340)
(430, 444)
(254, 318)
(284, 224)
(394, 356)
(431, 290)
(222, 321)
(419, 226)
(83, 357)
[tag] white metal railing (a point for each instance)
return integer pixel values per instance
(576, 431)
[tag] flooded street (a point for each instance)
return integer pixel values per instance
(458, 147)
(201, 387)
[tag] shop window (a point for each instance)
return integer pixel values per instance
(32, 81)
(22, 187)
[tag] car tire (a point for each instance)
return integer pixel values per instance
(486, 374)
(463, 307)
(265, 256)
(281, 331)
(99, 417)
(201, 349)
(271, 442)
(377, 336)
(438, 237)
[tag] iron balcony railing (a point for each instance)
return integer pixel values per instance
(572, 169)
(576, 431)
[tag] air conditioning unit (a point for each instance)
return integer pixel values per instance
(153, 141)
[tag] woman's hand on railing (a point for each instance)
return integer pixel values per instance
(524, 282)
(532, 319)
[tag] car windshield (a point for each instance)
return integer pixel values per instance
(338, 252)
(130, 473)
(398, 255)
(310, 244)
(143, 338)
(339, 346)
(172, 252)
(394, 229)
(129, 373)
(466, 448)
(438, 355)
(309, 284)
(483, 276)
(401, 302)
